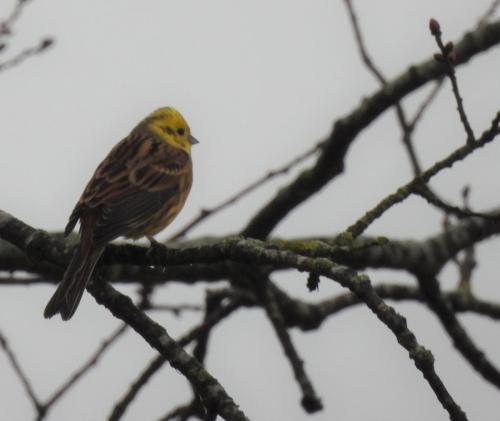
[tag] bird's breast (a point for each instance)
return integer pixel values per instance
(172, 206)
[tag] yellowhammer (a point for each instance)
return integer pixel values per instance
(136, 191)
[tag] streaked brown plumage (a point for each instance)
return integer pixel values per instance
(136, 191)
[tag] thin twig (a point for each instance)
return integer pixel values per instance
(213, 306)
(26, 53)
(425, 103)
(122, 405)
(407, 129)
(20, 374)
(184, 412)
(403, 192)
(431, 290)
(434, 200)
(310, 400)
(467, 263)
(209, 322)
(8, 23)
(361, 44)
(6, 30)
(106, 343)
(459, 302)
(205, 213)
(448, 58)
(489, 13)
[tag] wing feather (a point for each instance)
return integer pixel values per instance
(139, 176)
(130, 213)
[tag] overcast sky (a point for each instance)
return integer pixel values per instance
(259, 82)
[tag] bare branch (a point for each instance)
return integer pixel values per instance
(210, 321)
(310, 316)
(489, 13)
(122, 405)
(214, 397)
(265, 291)
(26, 53)
(425, 103)
(6, 30)
(105, 344)
(448, 57)
(331, 161)
(403, 192)
(205, 213)
(7, 24)
(400, 113)
(462, 341)
(20, 374)
(210, 390)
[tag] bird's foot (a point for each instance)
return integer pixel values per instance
(157, 249)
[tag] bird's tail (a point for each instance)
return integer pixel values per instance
(69, 292)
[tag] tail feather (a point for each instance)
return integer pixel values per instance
(69, 292)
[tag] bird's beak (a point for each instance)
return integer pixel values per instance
(193, 140)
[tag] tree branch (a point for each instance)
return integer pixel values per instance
(41, 245)
(403, 192)
(331, 161)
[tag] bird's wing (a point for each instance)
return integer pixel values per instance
(138, 177)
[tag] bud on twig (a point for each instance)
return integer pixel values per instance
(452, 57)
(439, 57)
(4, 29)
(434, 27)
(46, 43)
(465, 195)
(448, 48)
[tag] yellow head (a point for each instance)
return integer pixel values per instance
(168, 124)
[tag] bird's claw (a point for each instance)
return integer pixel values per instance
(156, 248)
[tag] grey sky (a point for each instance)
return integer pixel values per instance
(259, 82)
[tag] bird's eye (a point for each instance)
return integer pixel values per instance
(180, 132)
(169, 130)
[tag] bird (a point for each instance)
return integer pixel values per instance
(136, 191)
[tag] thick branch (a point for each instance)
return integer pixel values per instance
(409, 255)
(331, 161)
(40, 245)
(213, 395)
